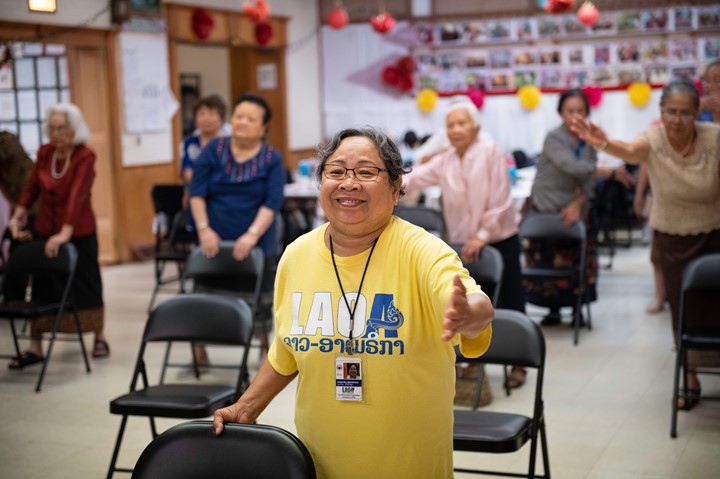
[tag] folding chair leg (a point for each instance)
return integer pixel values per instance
(116, 450)
(165, 362)
(80, 338)
(56, 326)
(153, 428)
(545, 455)
(478, 388)
(533, 454)
(506, 376)
(676, 385)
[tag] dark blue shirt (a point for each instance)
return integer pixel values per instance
(705, 115)
(190, 152)
(234, 192)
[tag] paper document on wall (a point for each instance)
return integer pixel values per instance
(149, 102)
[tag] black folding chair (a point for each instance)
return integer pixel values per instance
(188, 318)
(192, 449)
(487, 271)
(173, 242)
(516, 340)
(428, 218)
(549, 226)
(28, 261)
(698, 327)
(224, 275)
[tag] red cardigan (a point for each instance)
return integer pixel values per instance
(63, 200)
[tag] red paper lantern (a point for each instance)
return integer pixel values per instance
(390, 75)
(559, 6)
(588, 14)
(337, 18)
(202, 23)
(383, 23)
(404, 83)
(263, 33)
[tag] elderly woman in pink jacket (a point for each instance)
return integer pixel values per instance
(477, 204)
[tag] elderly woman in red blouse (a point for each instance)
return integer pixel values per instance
(62, 178)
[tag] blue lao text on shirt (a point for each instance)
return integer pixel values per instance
(327, 319)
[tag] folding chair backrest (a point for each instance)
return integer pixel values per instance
(201, 318)
(700, 298)
(167, 199)
(428, 218)
(30, 260)
(516, 340)
(191, 449)
(223, 267)
(487, 271)
(550, 225)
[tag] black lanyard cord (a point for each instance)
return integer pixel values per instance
(350, 347)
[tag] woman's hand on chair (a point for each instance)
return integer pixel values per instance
(243, 245)
(470, 251)
(209, 242)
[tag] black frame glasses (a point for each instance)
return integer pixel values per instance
(361, 173)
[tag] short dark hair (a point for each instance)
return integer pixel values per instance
(387, 149)
(710, 66)
(259, 101)
(212, 102)
(681, 85)
(574, 92)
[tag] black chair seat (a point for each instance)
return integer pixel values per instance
(547, 273)
(23, 310)
(501, 432)
(189, 401)
(701, 342)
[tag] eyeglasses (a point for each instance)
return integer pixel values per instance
(361, 173)
(682, 115)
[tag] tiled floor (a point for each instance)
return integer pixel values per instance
(607, 400)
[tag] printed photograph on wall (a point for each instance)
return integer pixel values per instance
(551, 78)
(655, 20)
(655, 51)
(628, 52)
(602, 55)
(689, 71)
(575, 55)
(451, 32)
(573, 27)
(475, 32)
(605, 24)
(603, 76)
(629, 74)
(551, 56)
(499, 30)
(576, 78)
(524, 77)
(476, 59)
(500, 59)
(425, 33)
(476, 80)
(683, 49)
(525, 29)
(501, 80)
(656, 74)
(629, 22)
(525, 56)
(682, 19)
(549, 27)
(709, 18)
(711, 48)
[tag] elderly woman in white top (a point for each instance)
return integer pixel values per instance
(477, 205)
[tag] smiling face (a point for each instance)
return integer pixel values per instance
(247, 122)
(573, 108)
(358, 208)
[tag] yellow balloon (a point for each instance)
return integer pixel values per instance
(426, 100)
(529, 96)
(639, 93)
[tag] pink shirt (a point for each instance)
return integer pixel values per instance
(475, 192)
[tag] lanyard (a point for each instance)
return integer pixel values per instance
(579, 149)
(350, 348)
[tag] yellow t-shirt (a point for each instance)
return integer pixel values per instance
(403, 427)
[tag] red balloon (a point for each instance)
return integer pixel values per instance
(559, 6)
(588, 14)
(383, 23)
(406, 64)
(405, 83)
(477, 97)
(390, 75)
(263, 33)
(337, 18)
(594, 95)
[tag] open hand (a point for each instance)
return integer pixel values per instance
(588, 131)
(457, 313)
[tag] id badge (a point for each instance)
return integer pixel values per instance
(348, 378)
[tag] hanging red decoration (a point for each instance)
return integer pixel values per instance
(588, 14)
(259, 13)
(263, 32)
(400, 75)
(383, 22)
(337, 18)
(559, 6)
(202, 23)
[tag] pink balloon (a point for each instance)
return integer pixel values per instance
(477, 97)
(594, 95)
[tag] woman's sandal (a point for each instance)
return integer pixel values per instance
(101, 349)
(686, 404)
(516, 378)
(27, 358)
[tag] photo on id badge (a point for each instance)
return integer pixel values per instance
(348, 379)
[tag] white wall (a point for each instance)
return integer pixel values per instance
(212, 63)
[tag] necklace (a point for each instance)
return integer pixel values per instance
(686, 150)
(53, 166)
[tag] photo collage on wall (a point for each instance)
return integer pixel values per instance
(558, 52)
